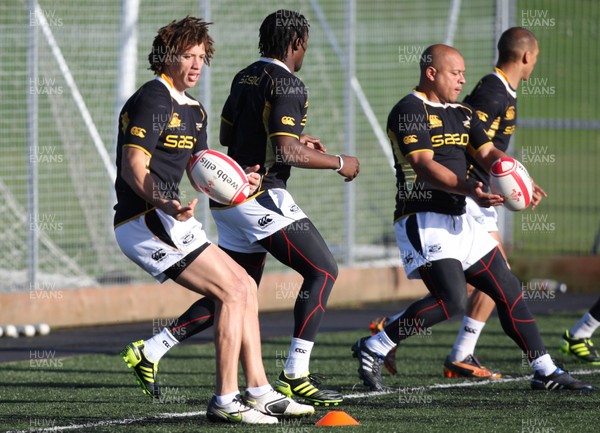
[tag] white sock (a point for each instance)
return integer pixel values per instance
(257, 391)
(157, 346)
(297, 362)
(466, 340)
(380, 343)
(227, 398)
(585, 327)
(544, 365)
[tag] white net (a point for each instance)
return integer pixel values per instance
(76, 86)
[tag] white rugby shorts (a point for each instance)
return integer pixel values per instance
(240, 227)
(486, 216)
(157, 247)
(429, 236)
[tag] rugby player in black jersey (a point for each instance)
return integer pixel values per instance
(161, 127)
(439, 242)
(495, 102)
(494, 99)
(262, 126)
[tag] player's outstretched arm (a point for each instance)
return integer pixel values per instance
(294, 153)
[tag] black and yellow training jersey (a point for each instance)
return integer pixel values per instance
(265, 100)
(168, 127)
(416, 124)
(495, 103)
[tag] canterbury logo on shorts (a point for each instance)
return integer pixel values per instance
(264, 221)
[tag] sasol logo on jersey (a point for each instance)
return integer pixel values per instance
(252, 80)
(410, 139)
(265, 221)
(137, 131)
(450, 139)
(288, 120)
(180, 141)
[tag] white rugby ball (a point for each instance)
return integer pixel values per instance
(219, 176)
(511, 180)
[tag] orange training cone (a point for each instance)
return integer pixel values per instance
(337, 417)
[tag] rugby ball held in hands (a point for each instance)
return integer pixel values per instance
(218, 176)
(510, 179)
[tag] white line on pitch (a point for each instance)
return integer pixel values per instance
(161, 416)
(107, 423)
(465, 384)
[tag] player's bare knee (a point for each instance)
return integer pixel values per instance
(235, 292)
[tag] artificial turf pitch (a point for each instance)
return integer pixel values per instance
(97, 393)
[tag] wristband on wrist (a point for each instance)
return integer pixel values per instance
(341, 163)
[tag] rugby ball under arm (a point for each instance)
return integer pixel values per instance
(218, 176)
(511, 180)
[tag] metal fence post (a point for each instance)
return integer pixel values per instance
(349, 135)
(32, 146)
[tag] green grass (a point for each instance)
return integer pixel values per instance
(98, 393)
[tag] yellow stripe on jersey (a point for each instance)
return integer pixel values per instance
(182, 99)
(501, 72)
(135, 146)
(472, 151)
(420, 150)
(287, 134)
